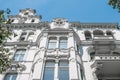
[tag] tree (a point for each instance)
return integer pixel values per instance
(115, 4)
(4, 34)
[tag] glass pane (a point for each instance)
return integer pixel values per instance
(48, 74)
(11, 76)
(16, 57)
(52, 45)
(7, 77)
(63, 45)
(22, 51)
(50, 63)
(19, 55)
(63, 63)
(49, 70)
(14, 77)
(63, 74)
(63, 42)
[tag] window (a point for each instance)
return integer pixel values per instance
(87, 35)
(23, 36)
(11, 76)
(19, 55)
(52, 42)
(63, 43)
(98, 33)
(49, 70)
(63, 70)
(55, 42)
(33, 20)
(108, 33)
(26, 13)
(30, 36)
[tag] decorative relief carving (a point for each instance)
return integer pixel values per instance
(17, 67)
(72, 59)
(70, 34)
(59, 21)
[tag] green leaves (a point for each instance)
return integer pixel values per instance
(4, 59)
(5, 33)
(115, 4)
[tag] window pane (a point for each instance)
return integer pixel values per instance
(49, 70)
(52, 45)
(19, 55)
(50, 64)
(14, 77)
(10, 76)
(63, 42)
(63, 63)
(52, 42)
(63, 74)
(16, 57)
(48, 74)
(63, 70)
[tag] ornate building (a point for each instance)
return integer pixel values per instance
(62, 50)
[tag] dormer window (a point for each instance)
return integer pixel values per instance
(26, 13)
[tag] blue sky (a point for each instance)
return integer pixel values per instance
(73, 10)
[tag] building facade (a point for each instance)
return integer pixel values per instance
(61, 50)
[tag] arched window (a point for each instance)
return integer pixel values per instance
(52, 43)
(87, 35)
(92, 55)
(98, 33)
(109, 33)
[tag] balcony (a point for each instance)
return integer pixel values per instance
(103, 39)
(107, 67)
(107, 58)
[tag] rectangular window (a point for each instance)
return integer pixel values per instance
(19, 55)
(63, 43)
(49, 70)
(11, 76)
(63, 70)
(52, 42)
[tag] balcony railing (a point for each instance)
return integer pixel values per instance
(107, 58)
(103, 37)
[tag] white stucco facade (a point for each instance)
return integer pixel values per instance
(62, 49)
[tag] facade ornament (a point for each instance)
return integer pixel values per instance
(72, 59)
(17, 67)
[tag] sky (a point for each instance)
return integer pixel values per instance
(85, 11)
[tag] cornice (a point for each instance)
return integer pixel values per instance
(76, 25)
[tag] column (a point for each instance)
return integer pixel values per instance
(56, 70)
(39, 66)
(72, 60)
